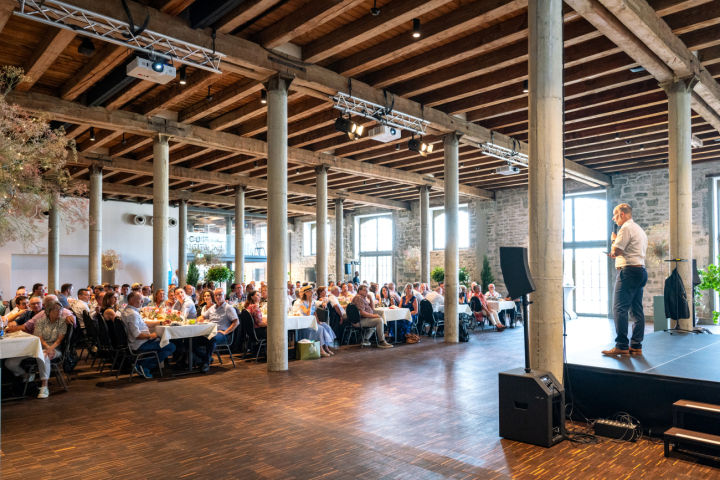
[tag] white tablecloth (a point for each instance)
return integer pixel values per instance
(168, 332)
(294, 322)
(501, 305)
(392, 314)
(462, 308)
(20, 344)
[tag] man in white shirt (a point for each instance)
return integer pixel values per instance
(492, 294)
(291, 296)
(124, 292)
(184, 304)
(437, 300)
(417, 292)
(174, 279)
(81, 305)
(335, 302)
(629, 247)
(139, 337)
(226, 318)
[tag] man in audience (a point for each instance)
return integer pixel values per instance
(492, 294)
(32, 307)
(108, 288)
(290, 294)
(238, 293)
(147, 293)
(393, 293)
(356, 278)
(174, 279)
(335, 302)
(184, 304)
(189, 292)
(139, 337)
(66, 314)
(38, 290)
(22, 307)
(225, 316)
(437, 300)
(20, 292)
(298, 285)
(81, 305)
(124, 292)
(368, 318)
(98, 300)
(417, 292)
(65, 293)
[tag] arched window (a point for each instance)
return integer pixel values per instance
(438, 228)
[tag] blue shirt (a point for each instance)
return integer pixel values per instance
(187, 308)
(224, 316)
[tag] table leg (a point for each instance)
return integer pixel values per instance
(190, 355)
(396, 332)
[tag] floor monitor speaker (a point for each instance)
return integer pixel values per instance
(516, 271)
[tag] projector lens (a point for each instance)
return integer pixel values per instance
(158, 66)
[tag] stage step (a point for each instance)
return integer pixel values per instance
(681, 407)
(688, 436)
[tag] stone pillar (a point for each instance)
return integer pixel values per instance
(277, 173)
(680, 163)
(546, 184)
(239, 234)
(321, 257)
(425, 234)
(228, 241)
(339, 241)
(95, 253)
(161, 207)
(182, 244)
(481, 238)
(53, 250)
(452, 245)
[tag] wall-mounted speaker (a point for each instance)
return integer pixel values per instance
(172, 222)
(516, 271)
(139, 220)
(43, 215)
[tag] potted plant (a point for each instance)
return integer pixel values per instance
(486, 275)
(219, 274)
(438, 274)
(710, 280)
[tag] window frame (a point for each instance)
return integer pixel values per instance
(437, 211)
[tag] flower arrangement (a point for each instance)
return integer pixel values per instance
(174, 317)
(658, 244)
(111, 261)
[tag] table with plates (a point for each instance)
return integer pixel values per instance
(174, 332)
(500, 305)
(393, 314)
(20, 344)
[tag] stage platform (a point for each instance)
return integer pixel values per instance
(672, 367)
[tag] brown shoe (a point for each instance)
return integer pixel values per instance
(635, 351)
(616, 351)
(500, 328)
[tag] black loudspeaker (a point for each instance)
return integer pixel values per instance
(348, 269)
(516, 271)
(532, 407)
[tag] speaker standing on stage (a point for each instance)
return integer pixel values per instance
(628, 248)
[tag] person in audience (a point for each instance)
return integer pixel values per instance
(375, 291)
(38, 290)
(65, 293)
(386, 299)
(207, 301)
(356, 278)
(291, 297)
(325, 334)
(211, 286)
(184, 305)
(108, 288)
(189, 292)
(110, 302)
(479, 306)
(513, 312)
(34, 306)
(418, 291)
(159, 299)
(492, 294)
(20, 292)
(331, 284)
(47, 300)
(98, 302)
(334, 300)
(263, 293)
(304, 305)
(393, 293)
(252, 305)
(51, 330)
(410, 301)
(436, 298)
(22, 303)
(81, 305)
(463, 295)
(171, 292)
(472, 288)
(147, 293)
(97, 289)
(345, 296)
(139, 337)
(124, 292)
(175, 277)
(226, 318)
(368, 318)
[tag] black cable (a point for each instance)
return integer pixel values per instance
(134, 33)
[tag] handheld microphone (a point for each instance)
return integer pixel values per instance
(616, 228)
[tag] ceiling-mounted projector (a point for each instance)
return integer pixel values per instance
(384, 133)
(153, 71)
(507, 170)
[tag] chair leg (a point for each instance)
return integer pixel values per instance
(218, 355)
(122, 362)
(159, 365)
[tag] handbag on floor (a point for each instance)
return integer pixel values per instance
(307, 350)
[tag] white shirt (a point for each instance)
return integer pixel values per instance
(494, 295)
(418, 295)
(631, 239)
(290, 300)
(436, 299)
(78, 307)
(335, 303)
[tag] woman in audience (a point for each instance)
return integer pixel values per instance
(110, 302)
(158, 299)
(386, 300)
(409, 301)
(479, 307)
(206, 300)
(463, 295)
(304, 306)
(326, 336)
(263, 293)
(252, 305)
(345, 295)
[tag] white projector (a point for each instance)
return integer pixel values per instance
(507, 170)
(143, 69)
(384, 133)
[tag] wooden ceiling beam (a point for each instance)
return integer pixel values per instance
(52, 44)
(171, 7)
(242, 14)
(178, 92)
(6, 11)
(102, 63)
(222, 99)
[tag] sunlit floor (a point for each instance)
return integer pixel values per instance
(415, 411)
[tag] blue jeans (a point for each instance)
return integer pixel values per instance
(154, 346)
(628, 296)
(203, 348)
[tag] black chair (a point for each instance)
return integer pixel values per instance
(127, 352)
(91, 336)
(476, 309)
(353, 315)
(335, 322)
(55, 363)
(226, 346)
(251, 337)
(425, 315)
(106, 351)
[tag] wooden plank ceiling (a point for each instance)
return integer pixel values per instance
(470, 60)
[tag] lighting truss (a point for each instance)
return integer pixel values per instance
(373, 111)
(85, 22)
(511, 156)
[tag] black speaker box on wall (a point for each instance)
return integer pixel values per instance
(516, 271)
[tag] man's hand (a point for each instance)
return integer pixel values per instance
(70, 320)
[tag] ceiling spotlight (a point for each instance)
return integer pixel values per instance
(364, 183)
(263, 96)
(377, 186)
(397, 146)
(416, 27)
(209, 96)
(86, 47)
(374, 10)
(628, 141)
(255, 163)
(92, 134)
(419, 146)
(346, 125)
(297, 171)
(525, 86)
(123, 141)
(462, 164)
(642, 147)
(183, 76)
(477, 168)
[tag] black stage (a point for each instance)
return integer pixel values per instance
(673, 367)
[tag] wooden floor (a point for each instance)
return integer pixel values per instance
(420, 411)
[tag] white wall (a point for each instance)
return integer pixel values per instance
(132, 242)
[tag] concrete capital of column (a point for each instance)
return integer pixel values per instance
(96, 169)
(339, 201)
(322, 168)
(680, 84)
(278, 82)
(240, 188)
(162, 138)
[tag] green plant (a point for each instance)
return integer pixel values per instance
(486, 276)
(193, 274)
(219, 274)
(710, 280)
(463, 276)
(438, 274)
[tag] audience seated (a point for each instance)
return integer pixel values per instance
(492, 294)
(252, 305)
(437, 300)
(325, 334)
(224, 315)
(38, 290)
(81, 305)
(368, 318)
(409, 301)
(206, 301)
(386, 299)
(65, 294)
(184, 304)
(159, 300)
(20, 292)
(238, 294)
(479, 306)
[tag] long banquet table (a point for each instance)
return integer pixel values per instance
(174, 332)
(20, 344)
(462, 308)
(393, 314)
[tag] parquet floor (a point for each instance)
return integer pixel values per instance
(422, 411)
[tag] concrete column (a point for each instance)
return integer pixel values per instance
(277, 172)
(680, 163)
(53, 250)
(228, 241)
(239, 234)
(182, 244)
(161, 207)
(321, 258)
(425, 234)
(339, 241)
(481, 238)
(546, 184)
(95, 253)
(452, 245)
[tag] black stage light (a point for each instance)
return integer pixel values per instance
(92, 134)
(263, 96)
(525, 86)
(183, 75)
(87, 47)
(346, 125)
(416, 27)
(419, 146)
(209, 96)
(374, 10)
